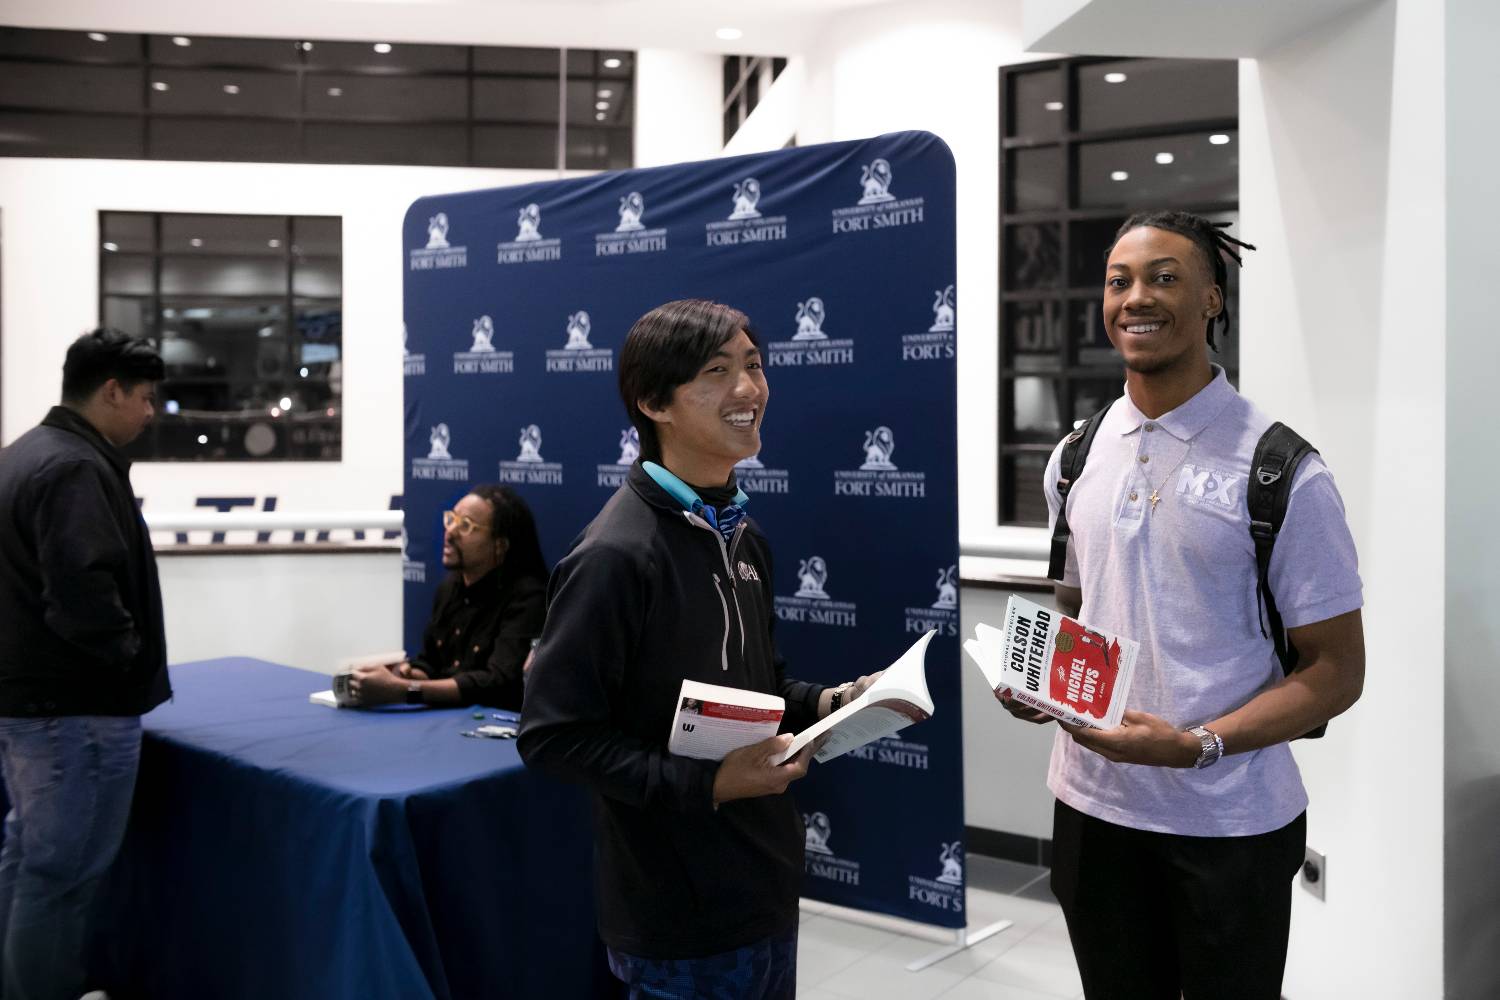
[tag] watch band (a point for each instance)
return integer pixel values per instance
(1212, 747)
(414, 693)
(837, 699)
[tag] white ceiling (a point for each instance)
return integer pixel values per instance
(777, 27)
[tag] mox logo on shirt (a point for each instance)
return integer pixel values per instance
(1208, 484)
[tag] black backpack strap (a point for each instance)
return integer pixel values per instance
(1278, 454)
(1075, 452)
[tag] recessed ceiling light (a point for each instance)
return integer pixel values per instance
(382, 47)
(599, 116)
(195, 241)
(729, 34)
(1114, 78)
(302, 372)
(612, 63)
(305, 46)
(111, 247)
(1164, 158)
(286, 403)
(160, 86)
(273, 244)
(1119, 175)
(203, 439)
(182, 41)
(1053, 105)
(98, 36)
(601, 105)
(275, 411)
(335, 91)
(606, 92)
(231, 88)
(1219, 139)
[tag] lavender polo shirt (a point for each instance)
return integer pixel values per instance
(1181, 580)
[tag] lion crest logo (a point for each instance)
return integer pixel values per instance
(746, 196)
(437, 232)
(632, 207)
(528, 224)
(947, 586)
(812, 574)
(810, 316)
(630, 446)
(753, 462)
(818, 830)
(875, 180)
(531, 444)
(953, 865)
(943, 313)
(438, 440)
(484, 336)
(578, 332)
(878, 446)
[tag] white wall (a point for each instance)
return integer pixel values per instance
(50, 209)
(679, 106)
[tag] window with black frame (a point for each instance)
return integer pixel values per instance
(1086, 142)
(746, 81)
(177, 97)
(247, 311)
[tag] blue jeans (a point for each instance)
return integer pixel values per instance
(70, 781)
(765, 970)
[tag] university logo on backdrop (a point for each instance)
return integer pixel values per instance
(411, 571)
(630, 235)
(810, 344)
(811, 603)
(818, 857)
(529, 467)
(529, 246)
(613, 476)
(939, 341)
(482, 358)
(945, 890)
(577, 354)
(745, 225)
(878, 475)
(755, 477)
(439, 253)
(440, 463)
(411, 363)
(877, 207)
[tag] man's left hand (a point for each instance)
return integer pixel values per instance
(376, 686)
(1140, 738)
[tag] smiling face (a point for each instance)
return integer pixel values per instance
(713, 421)
(1158, 297)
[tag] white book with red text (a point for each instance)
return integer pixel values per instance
(712, 720)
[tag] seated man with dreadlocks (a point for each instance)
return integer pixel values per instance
(1177, 834)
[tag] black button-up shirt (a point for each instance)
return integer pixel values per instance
(480, 635)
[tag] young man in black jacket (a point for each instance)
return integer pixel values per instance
(699, 863)
(82, 656)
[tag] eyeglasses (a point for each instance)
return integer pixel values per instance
(466, 526)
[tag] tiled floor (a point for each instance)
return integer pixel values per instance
(1032, 960)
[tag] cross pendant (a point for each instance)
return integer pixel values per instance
(1155, 499)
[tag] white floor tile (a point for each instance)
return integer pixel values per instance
(1036, 965)
(845, 933)
(819, 961)
(974, 988)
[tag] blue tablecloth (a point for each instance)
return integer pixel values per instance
(280, 849)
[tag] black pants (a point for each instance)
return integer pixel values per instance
(1156, 916)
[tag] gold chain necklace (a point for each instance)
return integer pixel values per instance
(1155, 496)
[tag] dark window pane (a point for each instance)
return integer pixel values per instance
(1036, 105)
(268, 53)
(330, 142)
(599, 148)
(129, 273)
(318, 235)
(71, 88)
(128, 230)
(1087, 243)
(224, 92)
(515, 146)
(320, 277)
(1156, 92)
(518, 99)
(585, 96)
(70, 45)
(1091, 346)
(1033, 335)
(1033, 256)
(616, 64)
(1168, 171)
(362, 57)
(23, 134)
(1035, 410)
(1090, 395)
(408, 98)
(128, 313)
(503, 59)
(209, 139)
(224, 234)
(218, 341)
(209, 275)
(1021, 497)
(1036, 179)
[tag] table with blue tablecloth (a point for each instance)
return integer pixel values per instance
(281, 849)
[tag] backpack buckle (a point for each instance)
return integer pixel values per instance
(1267, 476)
(1262, 530)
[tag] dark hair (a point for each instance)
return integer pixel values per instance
(512, 521)
(1209, 237)
(664, 349)
(95, 358)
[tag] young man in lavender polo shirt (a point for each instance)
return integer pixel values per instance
(1173, 857)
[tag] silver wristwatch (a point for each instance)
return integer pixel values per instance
(1213, 746)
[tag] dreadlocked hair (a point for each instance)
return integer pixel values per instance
(1212, 242)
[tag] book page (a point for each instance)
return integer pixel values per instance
(711, 721)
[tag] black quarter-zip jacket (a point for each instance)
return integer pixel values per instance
(649, 596)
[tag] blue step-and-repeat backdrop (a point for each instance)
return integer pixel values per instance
(517, 302)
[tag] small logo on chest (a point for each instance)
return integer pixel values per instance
(747, 572)
(1210, 485)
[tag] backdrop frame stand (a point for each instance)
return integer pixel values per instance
(953, 940)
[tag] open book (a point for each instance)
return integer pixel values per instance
(892, 703)
(1056, 664)
(711, 720)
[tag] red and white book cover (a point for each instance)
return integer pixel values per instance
(1057, 664)
(711, 720)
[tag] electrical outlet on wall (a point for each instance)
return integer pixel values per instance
(1315, 873)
